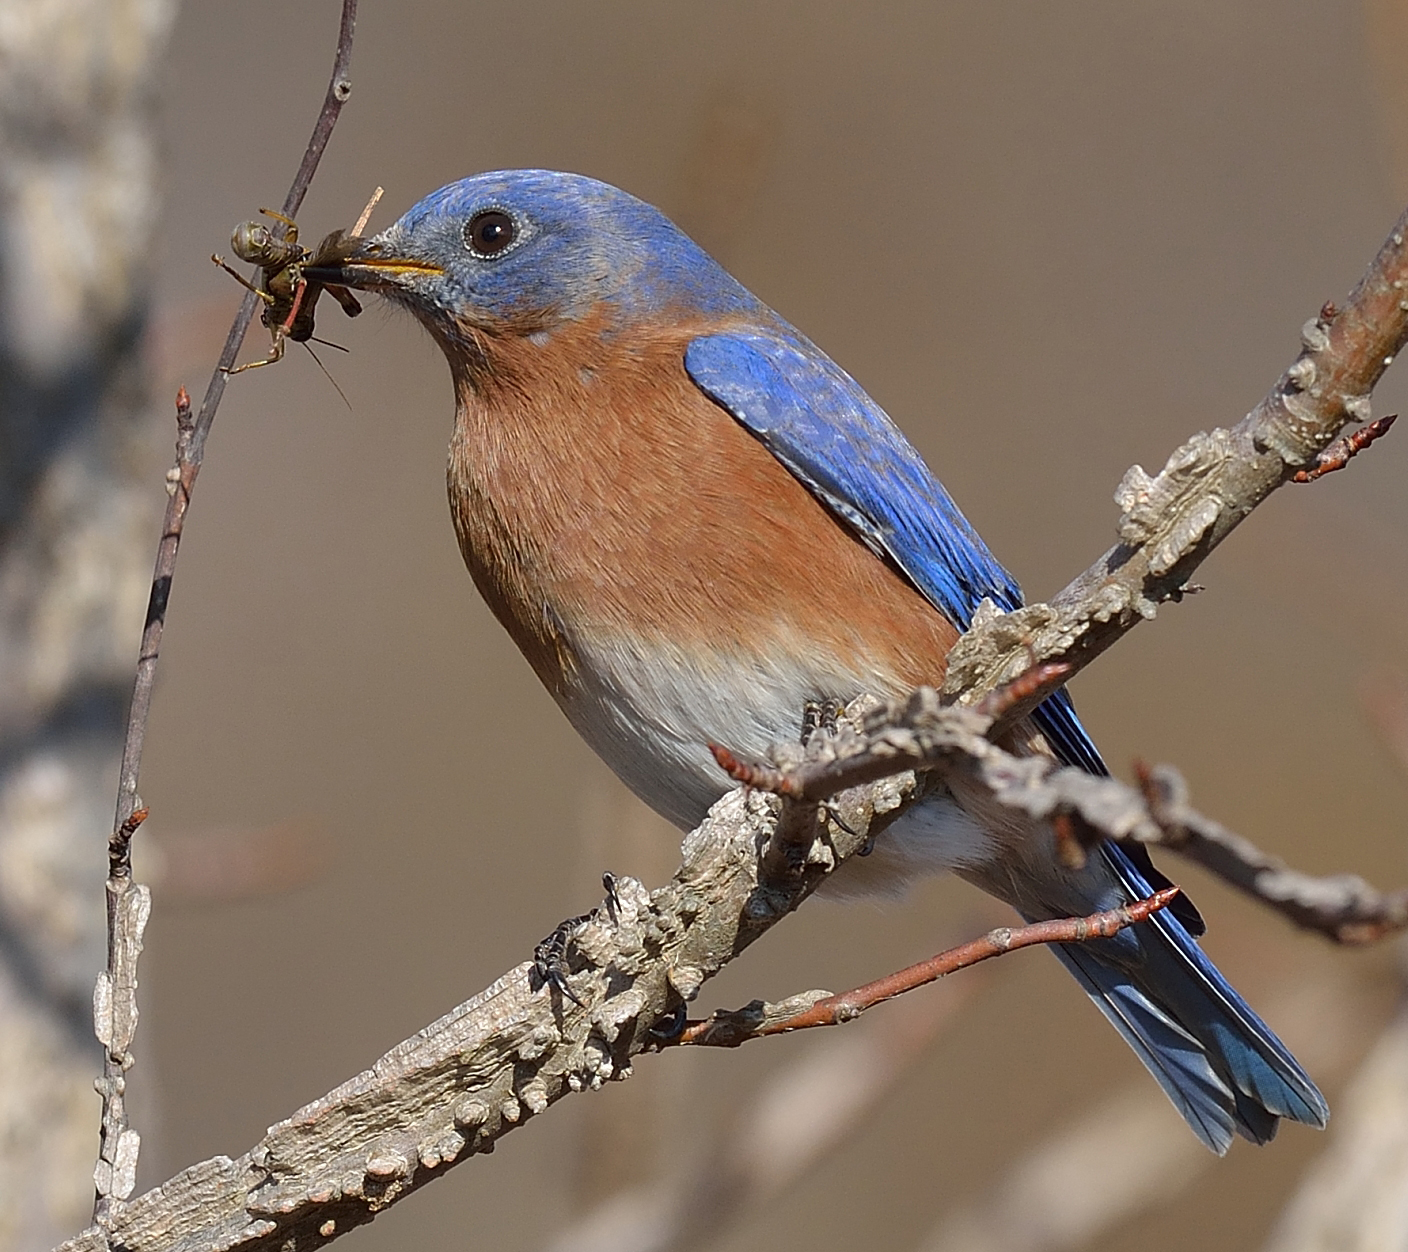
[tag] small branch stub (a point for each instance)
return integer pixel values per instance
(1343, 450)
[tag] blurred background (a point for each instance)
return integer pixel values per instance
(1051, 240)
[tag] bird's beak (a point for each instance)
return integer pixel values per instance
(367, 264)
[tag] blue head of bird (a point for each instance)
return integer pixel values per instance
(525, 250)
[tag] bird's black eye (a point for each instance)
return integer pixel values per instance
(490, 232)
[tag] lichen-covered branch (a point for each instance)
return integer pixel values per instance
(505, 1056)
(1171, 522)
(115, 1021)
(924, 734)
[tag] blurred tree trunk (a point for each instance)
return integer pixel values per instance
(80, 451)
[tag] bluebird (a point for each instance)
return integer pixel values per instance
(693, 523)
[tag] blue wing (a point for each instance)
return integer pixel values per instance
(816, 419)
(1221, 1066)
(819, 422)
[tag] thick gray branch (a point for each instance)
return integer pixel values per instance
(464, 1082)
(497, 1060)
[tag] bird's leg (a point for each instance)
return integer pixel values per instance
(550, 957)
(670, 1027)
(833, 812)
(820, 715)
(613, 901)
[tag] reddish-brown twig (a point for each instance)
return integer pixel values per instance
(796, 824)
(1039, 680)
(1346, 448)
(120, 846)
(763, 777)
(729, 1029)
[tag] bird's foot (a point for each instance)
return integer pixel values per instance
(670, 1027)
(550, 957)
(550, 962)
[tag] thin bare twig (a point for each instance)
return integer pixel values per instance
(1342, 907)
(726, 1028)
(128, 903)
(191, 447)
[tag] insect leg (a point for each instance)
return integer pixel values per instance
(242, 280)
(291, 235)
(276, 353)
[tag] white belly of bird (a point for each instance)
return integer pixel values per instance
(651, 715)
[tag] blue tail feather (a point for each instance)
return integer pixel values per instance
(1169, 1053)
(1218, 1061)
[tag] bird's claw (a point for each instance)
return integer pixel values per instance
(550, 955)
(671, 1026)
